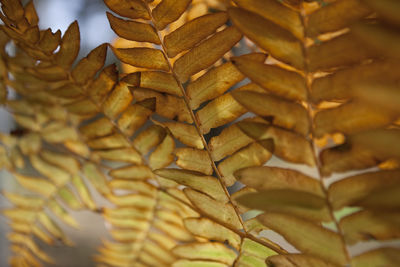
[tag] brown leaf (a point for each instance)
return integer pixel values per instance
(206, 53)
(192, 32)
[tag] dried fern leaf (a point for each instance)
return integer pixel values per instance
(329, 54)
(211, 230)
(289, 115)
(168, 11)
(272, 178)
(351, 118)
(133, 9)
(132, 30)
(185, 133)
(194, 160)
(383, 256)
(219, 43)
(296, 259)
(208, 251)
(336, 16)
(376, 36)
(343, 84)
(142, 57)
(193, 32)
(366, 225)
(279, 42)
(293, 202)
(362, 150)
(351, 190)
(254, 154)
(213, 208)
(284, 83)
(205, 184)
(275, 12)
(307, 237)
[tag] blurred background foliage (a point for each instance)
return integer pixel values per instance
(94, 29)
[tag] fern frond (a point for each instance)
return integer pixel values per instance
(315, 84)
(192, 58)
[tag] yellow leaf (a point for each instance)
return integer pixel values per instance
(132, 200)
(168, 11)
(144, 57)
(213, 208)
(90, 65)
(69, 198)
(366, 225)
(289, 115)
(97, 128)
(163, 155)
(37, 185)
(194, 160)
(96, 177)
(281, 82)
(362, 150)
(24, 201)
(100, 87)
(282, 44)
(342, 84)
(223, 109)
(149, 138)
(227, 142)
(213, 231)
(62, 214)
(351, 118)
(117, 101)
(208, 251)
(52, 227)
(83, 192)
(256, 249)
(336, 16)
(132, 30)
(61, 160)
(293, 202)
(160, 81)
(379, 37)
(341, 51)
(197, 263)
(136, 116)
(205, 184)
(385, 256)
(109, 142)
(139, 172)
(122, 154)
(270, 178)
(200, 58)
(69, 47)
(254, 154)
(275, 12)
(133, 9)
(133, 186)
(306, 236)
(185, 133)
(212, 84)
(193, 32)
(294, 260)
(387, 9)
(351, 190)
(26, 241)
(168, 106)
(21, 215)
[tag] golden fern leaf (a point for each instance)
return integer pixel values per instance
(167, 70)
(93, 117)
(315, 89)
(184, 102)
